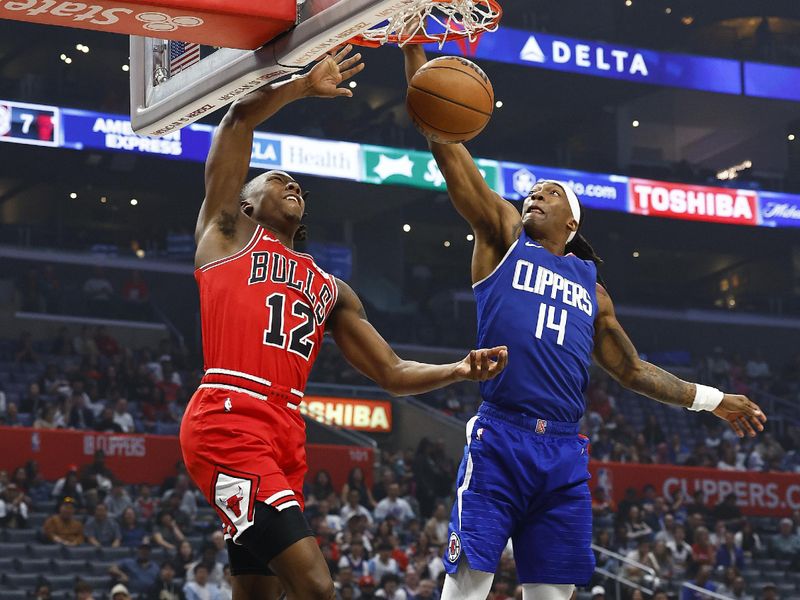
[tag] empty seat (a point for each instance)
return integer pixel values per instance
(42, 566)
(22, 581)
(115, 553)
(70, 565)
(6, 564)
(99, 583)
(100, 567)
(61, 582)
(46, 550)
(787, 589)
(7, 594)
(20, 535)
(81, 552)
(13, 549)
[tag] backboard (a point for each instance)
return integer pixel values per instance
(163, 101)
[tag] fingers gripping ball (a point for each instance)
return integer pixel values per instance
(450, 99)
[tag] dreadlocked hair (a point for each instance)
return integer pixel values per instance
(580, 247)
(301, 235)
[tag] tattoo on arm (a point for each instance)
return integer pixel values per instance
(615, 352)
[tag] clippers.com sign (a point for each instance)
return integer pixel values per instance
(764, 494)
(237, 24)
(692, 202)
(349, 413)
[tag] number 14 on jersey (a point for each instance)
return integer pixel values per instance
(547, 319)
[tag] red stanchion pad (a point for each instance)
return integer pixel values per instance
(227, 23)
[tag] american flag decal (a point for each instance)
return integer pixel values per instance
(541, 425)
(182, 55)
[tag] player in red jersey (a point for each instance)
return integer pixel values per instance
(264, 311)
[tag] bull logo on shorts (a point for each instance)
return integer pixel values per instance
(454, 548)
(234, 503)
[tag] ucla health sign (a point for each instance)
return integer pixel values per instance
(604, 192)
(613, 61)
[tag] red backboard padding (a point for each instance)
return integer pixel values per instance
(226, 23)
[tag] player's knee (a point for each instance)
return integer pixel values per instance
(319, 588)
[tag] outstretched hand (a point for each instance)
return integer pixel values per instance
(326, 76)
(743, 415)
(483, 364)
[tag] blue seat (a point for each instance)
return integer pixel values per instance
(70, 565)
(13, 549)
(81, 552)
(24, 581)
(114, 553)
(41, 566)
(99, 583)
(100, 567)
(7, 564)
(6, 594)
(25, 536)
(61, 582)
(46, 550)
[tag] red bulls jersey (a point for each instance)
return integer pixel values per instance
(263, 314)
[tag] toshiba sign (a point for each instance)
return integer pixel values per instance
(350, 413)
(693, 202)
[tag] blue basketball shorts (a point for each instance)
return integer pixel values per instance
(526, 479)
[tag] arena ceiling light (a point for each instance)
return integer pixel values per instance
(447, 243)
(353, 85)
(733, 172)
(406, 227)
(134, 202)
(73, 195)
(790, 137)
(635, 123)
(470, 237)
(499, 104)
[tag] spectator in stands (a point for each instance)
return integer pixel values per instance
(718, 369)
(352, 507)
(102, 531)
(728, 554)
(426, 590)
(11, 418)
(83, 590)
(380, 487)
(698, 504)
(75, 414)
(33, 400)
(757, 368)
(14, 508)
(96, 476)
(119, 592)
(208, 559)
(786, 544)
(354, 559)
(769, 591)
(226, 587)
(701, 580)
(42, 592)
(165, 587)
(394, 506)
(728, 458)
(636, 527)
(355, 480)
(199, 587)
(667, 532)
(681, 551)
(139, 573)
(703, 551)
(135, 294)
(133, 534)
(344, 581)
(49, 418)
(62, 527)
(25, 352)
(437, 526)
(122, 417)
(106, 344)
(321, 488)
(118, 500)
(748, 540)
(184, 557)
(641, 555)
(427, 475)
(217, 539)
(366, 584)
(382, 563)
(106, 422)
(390, 588)
(166, 533)
(145, 505)
(717, 538)
(98, 293)
(187, 502)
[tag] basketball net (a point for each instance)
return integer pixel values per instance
(458, 19)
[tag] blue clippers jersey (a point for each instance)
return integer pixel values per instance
(542, 307)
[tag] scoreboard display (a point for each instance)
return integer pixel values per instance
(31, 124)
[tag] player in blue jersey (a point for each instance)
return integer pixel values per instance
(525, 469)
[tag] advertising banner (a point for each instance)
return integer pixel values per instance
(605, 192)
(763, 494)
(693, 202)
(31, 124)
(384, 165)
(600, 59)
(772, 81)
(350, 413)
(779, 210)
(139, 458)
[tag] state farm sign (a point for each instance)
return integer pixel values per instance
(693, 202)
(350, 413)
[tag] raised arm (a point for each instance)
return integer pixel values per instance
(614, 351)
(221, 224)
(494, 220)
(367, 351)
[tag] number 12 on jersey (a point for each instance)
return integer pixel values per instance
(548, 313)
(298, 336)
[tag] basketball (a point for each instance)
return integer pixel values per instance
(450, 100)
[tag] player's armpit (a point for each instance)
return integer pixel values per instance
(370, 354)
(616, 354)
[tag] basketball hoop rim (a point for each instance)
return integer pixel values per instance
(440, 38)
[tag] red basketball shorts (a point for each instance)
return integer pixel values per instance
(241, 447)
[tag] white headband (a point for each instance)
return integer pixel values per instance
(574, 205)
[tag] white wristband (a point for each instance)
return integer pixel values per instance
(706, 398)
